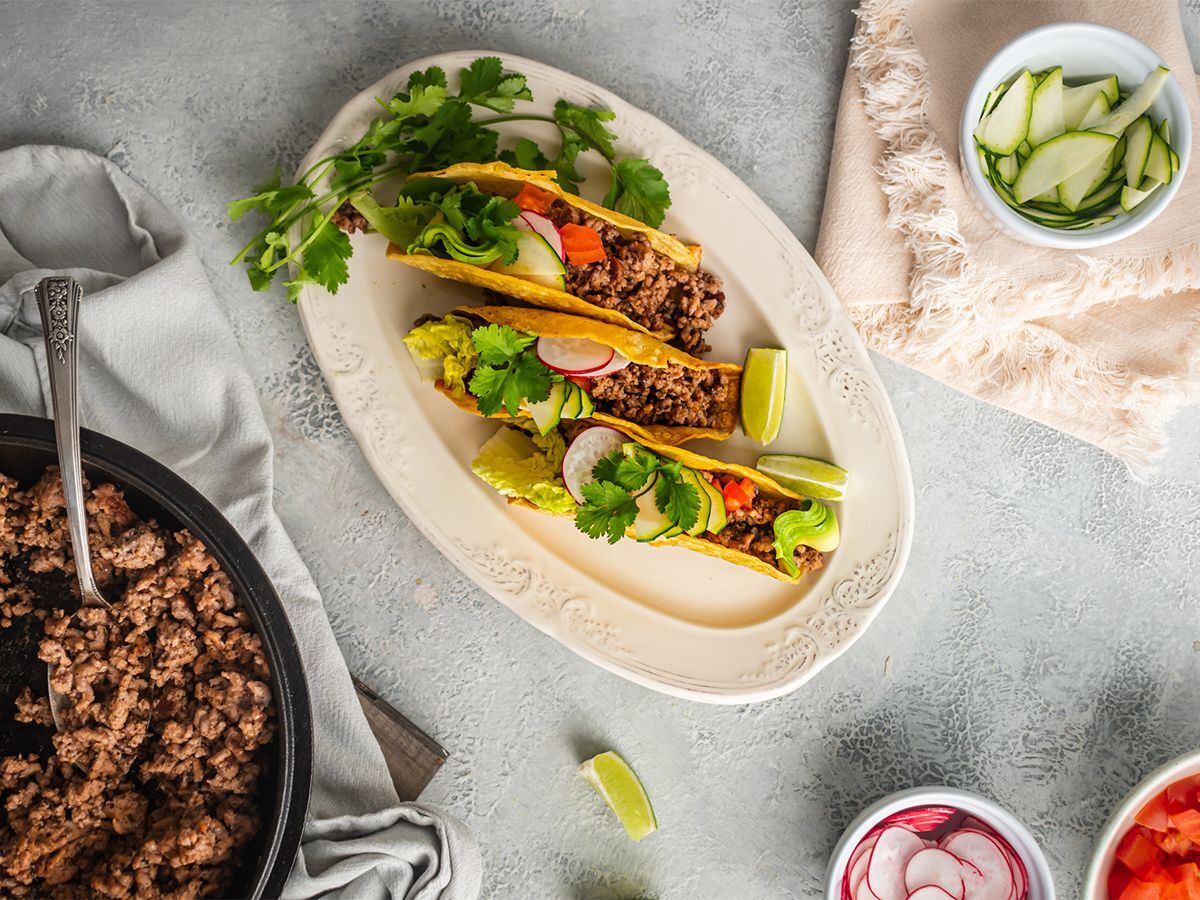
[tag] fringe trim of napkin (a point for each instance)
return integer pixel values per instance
(968, 325)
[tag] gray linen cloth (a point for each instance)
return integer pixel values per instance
(160, 370)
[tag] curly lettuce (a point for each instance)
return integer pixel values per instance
(446, 341)
(528, 466)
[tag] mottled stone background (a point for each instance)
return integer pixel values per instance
(1041, 644)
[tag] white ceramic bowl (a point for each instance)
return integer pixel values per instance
(1041, 882)
(1096, 887)
(1084, 51)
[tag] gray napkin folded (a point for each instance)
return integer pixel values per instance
(160, 370)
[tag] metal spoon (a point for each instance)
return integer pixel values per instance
(58, 301)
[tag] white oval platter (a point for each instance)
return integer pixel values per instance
(665, 618)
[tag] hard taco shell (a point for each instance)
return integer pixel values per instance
(504, 180)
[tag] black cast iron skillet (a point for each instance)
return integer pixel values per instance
(26, 449)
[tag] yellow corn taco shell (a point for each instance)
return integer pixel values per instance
(638, 347)
(765, 485)
(499, 178)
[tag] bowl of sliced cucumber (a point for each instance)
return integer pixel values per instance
(1074, 135)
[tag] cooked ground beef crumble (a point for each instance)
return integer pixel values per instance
(673, 395)
(651, 289)
(751, 530)
(152, 789)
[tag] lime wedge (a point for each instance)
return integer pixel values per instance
(616, 783)
(810, 477)
(764, 385)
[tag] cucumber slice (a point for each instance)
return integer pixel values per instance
(1046, 113)
(536, 261)
(1119, 151)
(1005, 127)
(1024, 150)
(1106, 194)
(1079, 99)
(1090, 223)
(1072, 191)
(1164, 131)
(699, 482)
(548, 412)
(1007, 168)
(1137, 151)
(992, 98)
(1095, 113)
(1058, 159)
(1158, 162)
(716, 512)
(1131, 198)
(573, 404)
(651, 523)
(1135, 104)
(589, 406)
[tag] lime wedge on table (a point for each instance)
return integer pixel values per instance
(810, 477)
(764, 386)
(616, 783)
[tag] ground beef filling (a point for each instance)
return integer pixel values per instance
(651, 289)
(152, 787)
(672, 395)
(751, 530)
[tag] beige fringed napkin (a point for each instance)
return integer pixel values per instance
(1103, 344)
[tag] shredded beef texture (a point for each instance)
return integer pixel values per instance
(152, 787)
(651, 289)
(671, 395)
(750, 529)
(349, 219)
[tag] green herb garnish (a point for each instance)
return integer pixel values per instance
(610, 504)
(509, 370)
(425, 127)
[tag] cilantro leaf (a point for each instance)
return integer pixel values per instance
(433, 76)
(676, 499)
(588, 124)
(325, 257)
(525, 155)
(269, 199)
(638, 190)
(608, 510)
(421, 100)
(508, 371)
(629, 471)
(484, 83)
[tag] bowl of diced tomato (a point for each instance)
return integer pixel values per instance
(1150, 848)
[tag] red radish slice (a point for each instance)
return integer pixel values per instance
(588, 448)
(544, 227)
(993, 878)
(1018, 866)
(856, 868)
(930, 892)
(574, 356)
(891, 853)
(864, 892)
(926, 818)
(616, 364)
(932, 866)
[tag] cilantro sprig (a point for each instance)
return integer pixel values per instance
(508, 371)
(610, 502)
(424, 127)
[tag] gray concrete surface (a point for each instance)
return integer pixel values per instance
(1041, 645)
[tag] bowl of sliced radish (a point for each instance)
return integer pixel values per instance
(1074, 135)
(937, 844)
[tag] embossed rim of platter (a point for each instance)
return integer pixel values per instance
(777, 655)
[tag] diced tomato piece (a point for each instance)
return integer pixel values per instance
(1171, 841)
(1139, 855)
(534, 199)
(738, 493)
(582, 245)
(585, 383)
(1118, 879)
(1187, 821)
(1154, 814)
(1142, 890)
(1183, 794)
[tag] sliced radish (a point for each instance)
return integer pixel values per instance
(543, 226)
(993, 877)
(591, 445)
(889, 857)
(935, 866)
(926, 818)
(616, 364)
(1021, 876)
(930, 892)
(856, 868)
(864, 892)
(574, 356)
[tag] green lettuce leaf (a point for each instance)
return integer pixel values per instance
(449, 340)
(519, 464)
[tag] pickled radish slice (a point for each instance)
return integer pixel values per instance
(574, 356)
(934, 866)
(931, 892)
(889, 857)
(993, 878)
